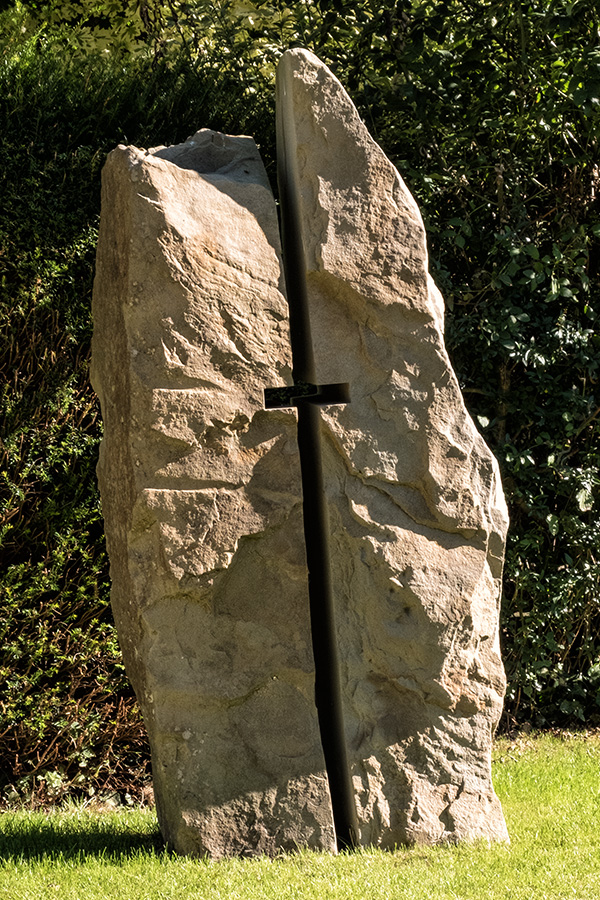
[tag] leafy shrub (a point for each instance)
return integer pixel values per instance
(68, 717)
(490, 110)
(495, 122)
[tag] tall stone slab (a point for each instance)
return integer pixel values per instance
(202, 500)
(418, 518)
(201, 497)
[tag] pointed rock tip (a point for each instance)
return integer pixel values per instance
(299, 59)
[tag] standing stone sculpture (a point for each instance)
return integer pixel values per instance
(202, 499)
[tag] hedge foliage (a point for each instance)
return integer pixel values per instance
(490, 109)
(67, 713)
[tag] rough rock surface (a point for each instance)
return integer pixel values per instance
(201, 497)
(418, 517)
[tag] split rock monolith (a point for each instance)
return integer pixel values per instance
(418, 517)
(201, 497)
(201, 492)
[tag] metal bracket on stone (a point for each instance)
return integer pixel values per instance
(319, 394)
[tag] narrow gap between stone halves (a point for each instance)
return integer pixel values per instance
(306, 395)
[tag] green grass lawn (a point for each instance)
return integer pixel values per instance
(549, 787)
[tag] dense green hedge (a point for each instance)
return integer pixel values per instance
(491, 111)
(67, 713)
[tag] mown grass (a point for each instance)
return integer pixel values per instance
(549, 786)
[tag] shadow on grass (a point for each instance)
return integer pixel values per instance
(72, 837)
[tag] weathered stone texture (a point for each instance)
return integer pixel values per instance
(418, 517)
(201, 492)
(201, 496)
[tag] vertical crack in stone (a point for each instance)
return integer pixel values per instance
(328, 696)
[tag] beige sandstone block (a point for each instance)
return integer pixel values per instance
(201, 497)
(418, 517)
